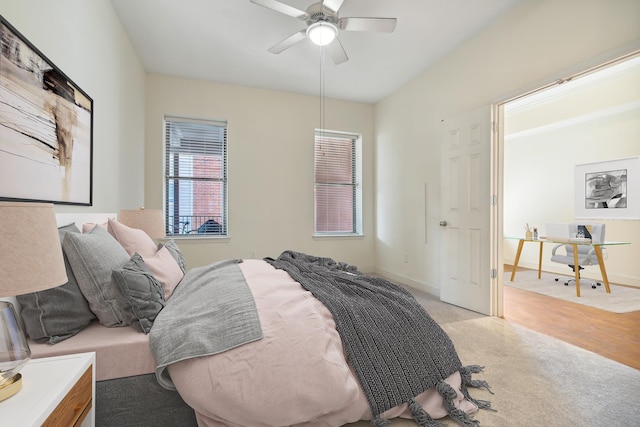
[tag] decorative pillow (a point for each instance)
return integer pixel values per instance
(88, 226)
(132, 239)
(172, 247)
(139, 293)
(53, 315)
(165, 268)
(93, 256)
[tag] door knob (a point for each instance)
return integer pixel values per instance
(443, 223)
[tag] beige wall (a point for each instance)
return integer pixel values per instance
(270, 149)
(545, 140)
(529, 46)
(87, 42)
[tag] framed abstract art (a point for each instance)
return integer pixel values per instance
(46, 127)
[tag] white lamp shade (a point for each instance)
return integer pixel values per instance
(322, 33)
(30, 251)
(150, 221)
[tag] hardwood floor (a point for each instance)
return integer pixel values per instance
(615, 336)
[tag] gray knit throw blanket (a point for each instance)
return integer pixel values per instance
(395, 348)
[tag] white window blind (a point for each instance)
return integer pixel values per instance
(195, 177)
(337, 189)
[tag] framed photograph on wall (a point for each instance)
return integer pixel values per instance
(608, 189)
(46, 127)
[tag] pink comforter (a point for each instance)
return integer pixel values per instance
(296, 375)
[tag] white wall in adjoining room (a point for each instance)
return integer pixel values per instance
(86, 40)
(531, 45)
(270, 167)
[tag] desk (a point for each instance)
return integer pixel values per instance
(596, 246)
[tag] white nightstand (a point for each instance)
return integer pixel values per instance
(56, 391)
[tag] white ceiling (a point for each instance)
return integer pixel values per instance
(226, 41)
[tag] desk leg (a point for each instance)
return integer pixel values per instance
(605, 279)
(576, 268)
(515, 263)
(540, 262)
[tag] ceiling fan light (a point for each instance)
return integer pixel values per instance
(322, 33)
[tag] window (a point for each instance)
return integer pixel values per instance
(195, 177)
(337, 190)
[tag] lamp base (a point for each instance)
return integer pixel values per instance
(12, 387)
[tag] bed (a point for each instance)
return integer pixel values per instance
(271, 342)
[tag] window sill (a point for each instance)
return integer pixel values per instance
(338, 236)
(198, 239)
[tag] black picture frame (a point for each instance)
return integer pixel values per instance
(46, 127)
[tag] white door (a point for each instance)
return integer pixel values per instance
(466, 214)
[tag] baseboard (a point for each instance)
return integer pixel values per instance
(408, 282)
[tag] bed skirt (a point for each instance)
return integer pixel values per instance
(139, 401)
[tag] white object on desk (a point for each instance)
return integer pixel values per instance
(46, 383)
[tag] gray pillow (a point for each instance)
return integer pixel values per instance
(93, 256)
(139, 293)
(59, 313)
(174, 250)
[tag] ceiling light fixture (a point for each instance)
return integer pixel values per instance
(322, 32)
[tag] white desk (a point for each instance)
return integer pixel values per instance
(596, 246)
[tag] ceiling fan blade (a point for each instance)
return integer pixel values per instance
(337, 52)
(380, 25)
(288, 42)
(333, 5)
(282, 8)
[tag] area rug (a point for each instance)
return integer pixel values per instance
(622, 299)
(538, 380)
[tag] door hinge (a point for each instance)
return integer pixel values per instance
(494, 200)
(494, 273)
(494, 126)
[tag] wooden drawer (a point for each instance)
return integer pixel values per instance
(77, 403)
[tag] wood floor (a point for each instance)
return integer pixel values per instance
(612, 335)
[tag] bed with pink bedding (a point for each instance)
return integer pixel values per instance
(242, 342)
(293, 371)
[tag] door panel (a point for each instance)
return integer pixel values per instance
(466, 207)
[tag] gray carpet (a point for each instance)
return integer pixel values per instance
(537, 380)
(622, 299)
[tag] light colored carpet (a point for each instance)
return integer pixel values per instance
(622, 299)
(539, 380)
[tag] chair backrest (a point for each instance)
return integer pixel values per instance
(596, 230)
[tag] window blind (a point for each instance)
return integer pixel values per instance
(336, 189)
(195, 176)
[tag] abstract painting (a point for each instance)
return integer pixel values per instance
(46, 127)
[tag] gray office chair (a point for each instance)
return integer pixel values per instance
(586, 253)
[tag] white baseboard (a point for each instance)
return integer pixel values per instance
(408, 282)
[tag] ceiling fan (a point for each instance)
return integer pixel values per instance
(323, 24)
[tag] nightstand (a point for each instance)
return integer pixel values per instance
(56, 391)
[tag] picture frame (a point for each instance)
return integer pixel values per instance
(608, 190)
(46, 127)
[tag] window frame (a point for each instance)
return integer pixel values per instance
(356, 183)
(222, 232)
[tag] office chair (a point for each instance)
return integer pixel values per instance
(586, 253)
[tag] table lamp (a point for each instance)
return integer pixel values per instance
(148, 220)
(30, 261)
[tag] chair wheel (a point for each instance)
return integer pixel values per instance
(593, 286)
(557, 279)
(566, 283)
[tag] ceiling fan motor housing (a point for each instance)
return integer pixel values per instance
(317, 12)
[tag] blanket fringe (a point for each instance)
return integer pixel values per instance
(378, 421)
(467, 381)
(449, 394)
(422, 418)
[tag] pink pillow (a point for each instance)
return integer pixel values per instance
(132, 239)
(88, 226)
(165, 269)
